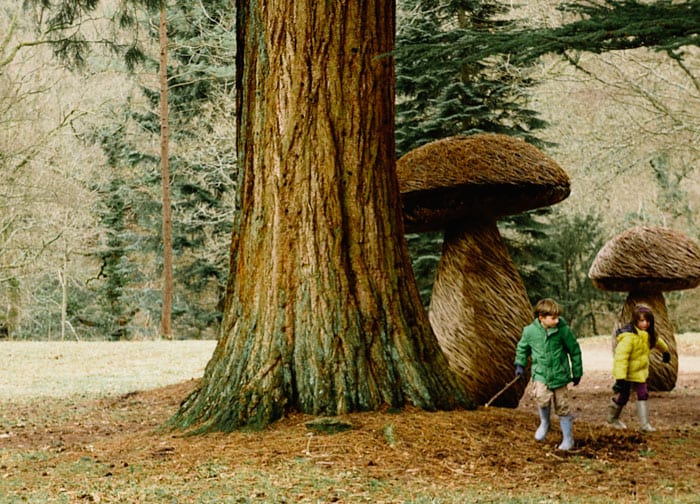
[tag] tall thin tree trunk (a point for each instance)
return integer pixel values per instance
(64, 299)
(322, 311)
(166, 314)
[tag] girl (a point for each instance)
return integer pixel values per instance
(631, 365)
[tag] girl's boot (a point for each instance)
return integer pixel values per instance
(544, 422)
(643, 413)
(567, 431)
(614, 411)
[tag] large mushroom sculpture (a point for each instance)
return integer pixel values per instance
(645, 262)
(462, 185)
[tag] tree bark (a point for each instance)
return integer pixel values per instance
(166, 312)
(322, 311)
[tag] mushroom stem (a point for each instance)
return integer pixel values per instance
(662, 377)
(478, 309)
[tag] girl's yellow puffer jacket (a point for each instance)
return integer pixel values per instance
(631, 360)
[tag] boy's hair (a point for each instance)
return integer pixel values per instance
(547, 306)
(642, 311)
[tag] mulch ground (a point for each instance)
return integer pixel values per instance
(488, 448)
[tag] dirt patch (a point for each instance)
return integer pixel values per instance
(667, 409)
(111, 449)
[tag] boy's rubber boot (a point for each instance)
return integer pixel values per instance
(567, 431)
(614, 411)
(544, 423)
(643, 413)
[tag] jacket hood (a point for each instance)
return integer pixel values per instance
(625, 328)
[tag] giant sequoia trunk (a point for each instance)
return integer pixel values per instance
(322, 312)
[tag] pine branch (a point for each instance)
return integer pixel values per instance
(611, 26)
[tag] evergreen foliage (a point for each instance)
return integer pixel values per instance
(619, 24)
(202, 170)
(608, 25)
(117, 269)
(125, 298)
(120, 287)
(425, 250)
(63, 19)
(461, 69)
(553, 254)
(441, 93)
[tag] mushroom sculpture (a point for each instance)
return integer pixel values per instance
(645, 262)
(479, 305)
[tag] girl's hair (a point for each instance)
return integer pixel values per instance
(643, 312)
(547, 306)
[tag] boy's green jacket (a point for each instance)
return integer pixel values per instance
(556, 357)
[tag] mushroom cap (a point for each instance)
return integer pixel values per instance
(485, 175)
(647, 259)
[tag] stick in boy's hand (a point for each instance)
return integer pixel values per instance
(498, 394)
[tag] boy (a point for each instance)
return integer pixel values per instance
(556, 360)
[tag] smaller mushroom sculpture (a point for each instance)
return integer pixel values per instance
(479, 305)
(645, 262)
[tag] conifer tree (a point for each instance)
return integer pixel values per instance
(117, 269)
(201, 84)
(597, 27)
(202, 163)
(612, 25)
(461, 69)
(442, 93)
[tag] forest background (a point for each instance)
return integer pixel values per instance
(80, 202)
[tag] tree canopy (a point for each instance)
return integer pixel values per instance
(461, 68)
(610, 25)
